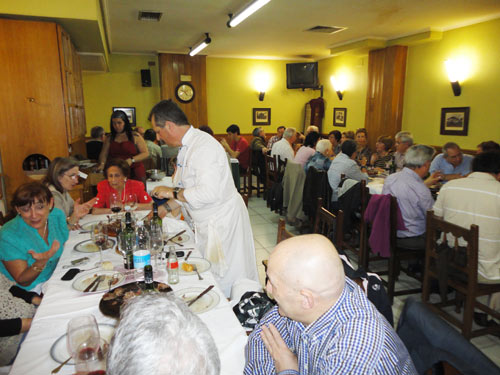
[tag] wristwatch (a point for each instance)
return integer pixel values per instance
(176, 190)
(133, 161)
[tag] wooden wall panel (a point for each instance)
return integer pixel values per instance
(385, 92)
(171, 68)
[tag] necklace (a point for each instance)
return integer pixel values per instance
(45, 229)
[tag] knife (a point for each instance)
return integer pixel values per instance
(200, 295)
(175, 235)
(92, 284)
(101, 278)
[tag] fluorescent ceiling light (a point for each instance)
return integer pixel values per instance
(198, 47)
(251, 8)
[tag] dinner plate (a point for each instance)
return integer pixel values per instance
(59, 349)
(88, 226)
(202, 265)
(179, 239)
(84, 280)
(88, 246)
(205, 303)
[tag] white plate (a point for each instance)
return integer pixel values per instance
(202, 265)
(88, 246)
(205, 303)
(59, 350)
(88, 226)
(179, 239)
(84, 280)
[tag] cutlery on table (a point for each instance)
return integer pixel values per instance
(97, 279)
(56, 370)
(100, 279)
(175, 235)
(200, 295)
(188, 255)
(196, 270)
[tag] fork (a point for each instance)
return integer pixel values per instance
(56, 370)
(196, 270)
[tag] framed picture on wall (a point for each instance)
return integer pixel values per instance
(455, 120)
(339, 116)
(130, 111)
(261, 116)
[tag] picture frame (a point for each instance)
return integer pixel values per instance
(455, 121)
(339, 117)
(130, 111)
(261, 116)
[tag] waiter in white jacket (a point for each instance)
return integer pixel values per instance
(204, 186)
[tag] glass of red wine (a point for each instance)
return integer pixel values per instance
(84, 343)
(115, 203)
(99, 235)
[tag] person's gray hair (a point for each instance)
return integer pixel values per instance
(289, 132)
(323, 145)
(405, 137)
(158, 334)
(449, 145)
(416, 156)
(256, 131)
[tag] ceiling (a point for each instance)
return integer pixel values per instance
(278, 29)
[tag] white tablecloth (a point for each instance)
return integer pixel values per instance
(375, 185)
(165, 181)
(61, 303)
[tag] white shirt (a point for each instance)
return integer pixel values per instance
(283, 149)
(211, 197)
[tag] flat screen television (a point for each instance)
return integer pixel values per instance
(302, 75)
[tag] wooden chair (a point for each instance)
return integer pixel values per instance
(245, 199)
(247, 177)
(271, 172)
(329, 224)
(397, 254)
(258, 169)
(462, 263)
(7, 217)
(283, 234)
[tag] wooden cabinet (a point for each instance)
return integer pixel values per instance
(41, 97)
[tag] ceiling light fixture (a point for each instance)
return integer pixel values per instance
(248, 10)
(200, 45)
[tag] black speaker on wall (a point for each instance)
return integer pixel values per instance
(146, 78)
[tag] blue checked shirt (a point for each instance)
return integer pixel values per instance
(318, 161)
(352, 337)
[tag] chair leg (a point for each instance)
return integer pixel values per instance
(468, 313)
(391, 279)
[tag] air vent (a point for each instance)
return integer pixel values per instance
(326, 29)
(145, 15)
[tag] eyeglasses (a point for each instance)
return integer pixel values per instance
(39, 206)
(73, 176)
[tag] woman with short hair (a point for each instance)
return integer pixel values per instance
(383, 158)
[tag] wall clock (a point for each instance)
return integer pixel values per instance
(184, 92)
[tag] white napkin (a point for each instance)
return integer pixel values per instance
(214, 251)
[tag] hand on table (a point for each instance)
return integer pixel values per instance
(162, 192)
(433, 178)
(283, 357)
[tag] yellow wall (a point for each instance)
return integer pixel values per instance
(428, 89)
(355, 70)
(78, 9)
(231, 95)
(120, 87)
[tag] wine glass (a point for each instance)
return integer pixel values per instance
(130, 202)
(115, 203)
(83, 342)
(99, 235)
(156, 237)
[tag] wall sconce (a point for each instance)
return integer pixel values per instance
(248, 10)
(200, 45)
(339, 85)
(261, 83)
(455, 75)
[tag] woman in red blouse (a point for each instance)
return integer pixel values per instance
(116, 182)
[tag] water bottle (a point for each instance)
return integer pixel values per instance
(142, 254)
(173, 266)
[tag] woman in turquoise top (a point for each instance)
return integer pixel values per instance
(32, 243)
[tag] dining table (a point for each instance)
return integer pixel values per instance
(62, 301)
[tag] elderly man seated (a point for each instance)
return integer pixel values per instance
(404, 140)
(321, 159)
(324, 323)
(452, 163)
(413, 195)
(284, 147)
(159, 334)
(344, 164)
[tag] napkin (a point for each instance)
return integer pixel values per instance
(214, 251)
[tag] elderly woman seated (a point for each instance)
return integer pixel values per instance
(321, 159)
(117, 186)
(382, 158)
(32, 243)
(62, 177)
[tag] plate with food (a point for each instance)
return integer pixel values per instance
(205, 303)
(187, 268)
(182, 238)
(113, 227)
(107, 279)
(59, 350)
(112, 301)
(88, 246)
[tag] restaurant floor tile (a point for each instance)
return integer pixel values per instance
(265, 228)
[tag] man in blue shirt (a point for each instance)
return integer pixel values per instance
(323, 324)
(452, 163)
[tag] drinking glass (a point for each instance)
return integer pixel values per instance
(130, 202)
(115, 203)
(99, 235)
(83, 343)
(156, 237)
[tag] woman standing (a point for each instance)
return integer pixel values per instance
(32, 242)
(125, 144)
(61, 178)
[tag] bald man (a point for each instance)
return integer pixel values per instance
(323, 324)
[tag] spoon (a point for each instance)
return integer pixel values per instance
(56, 370)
